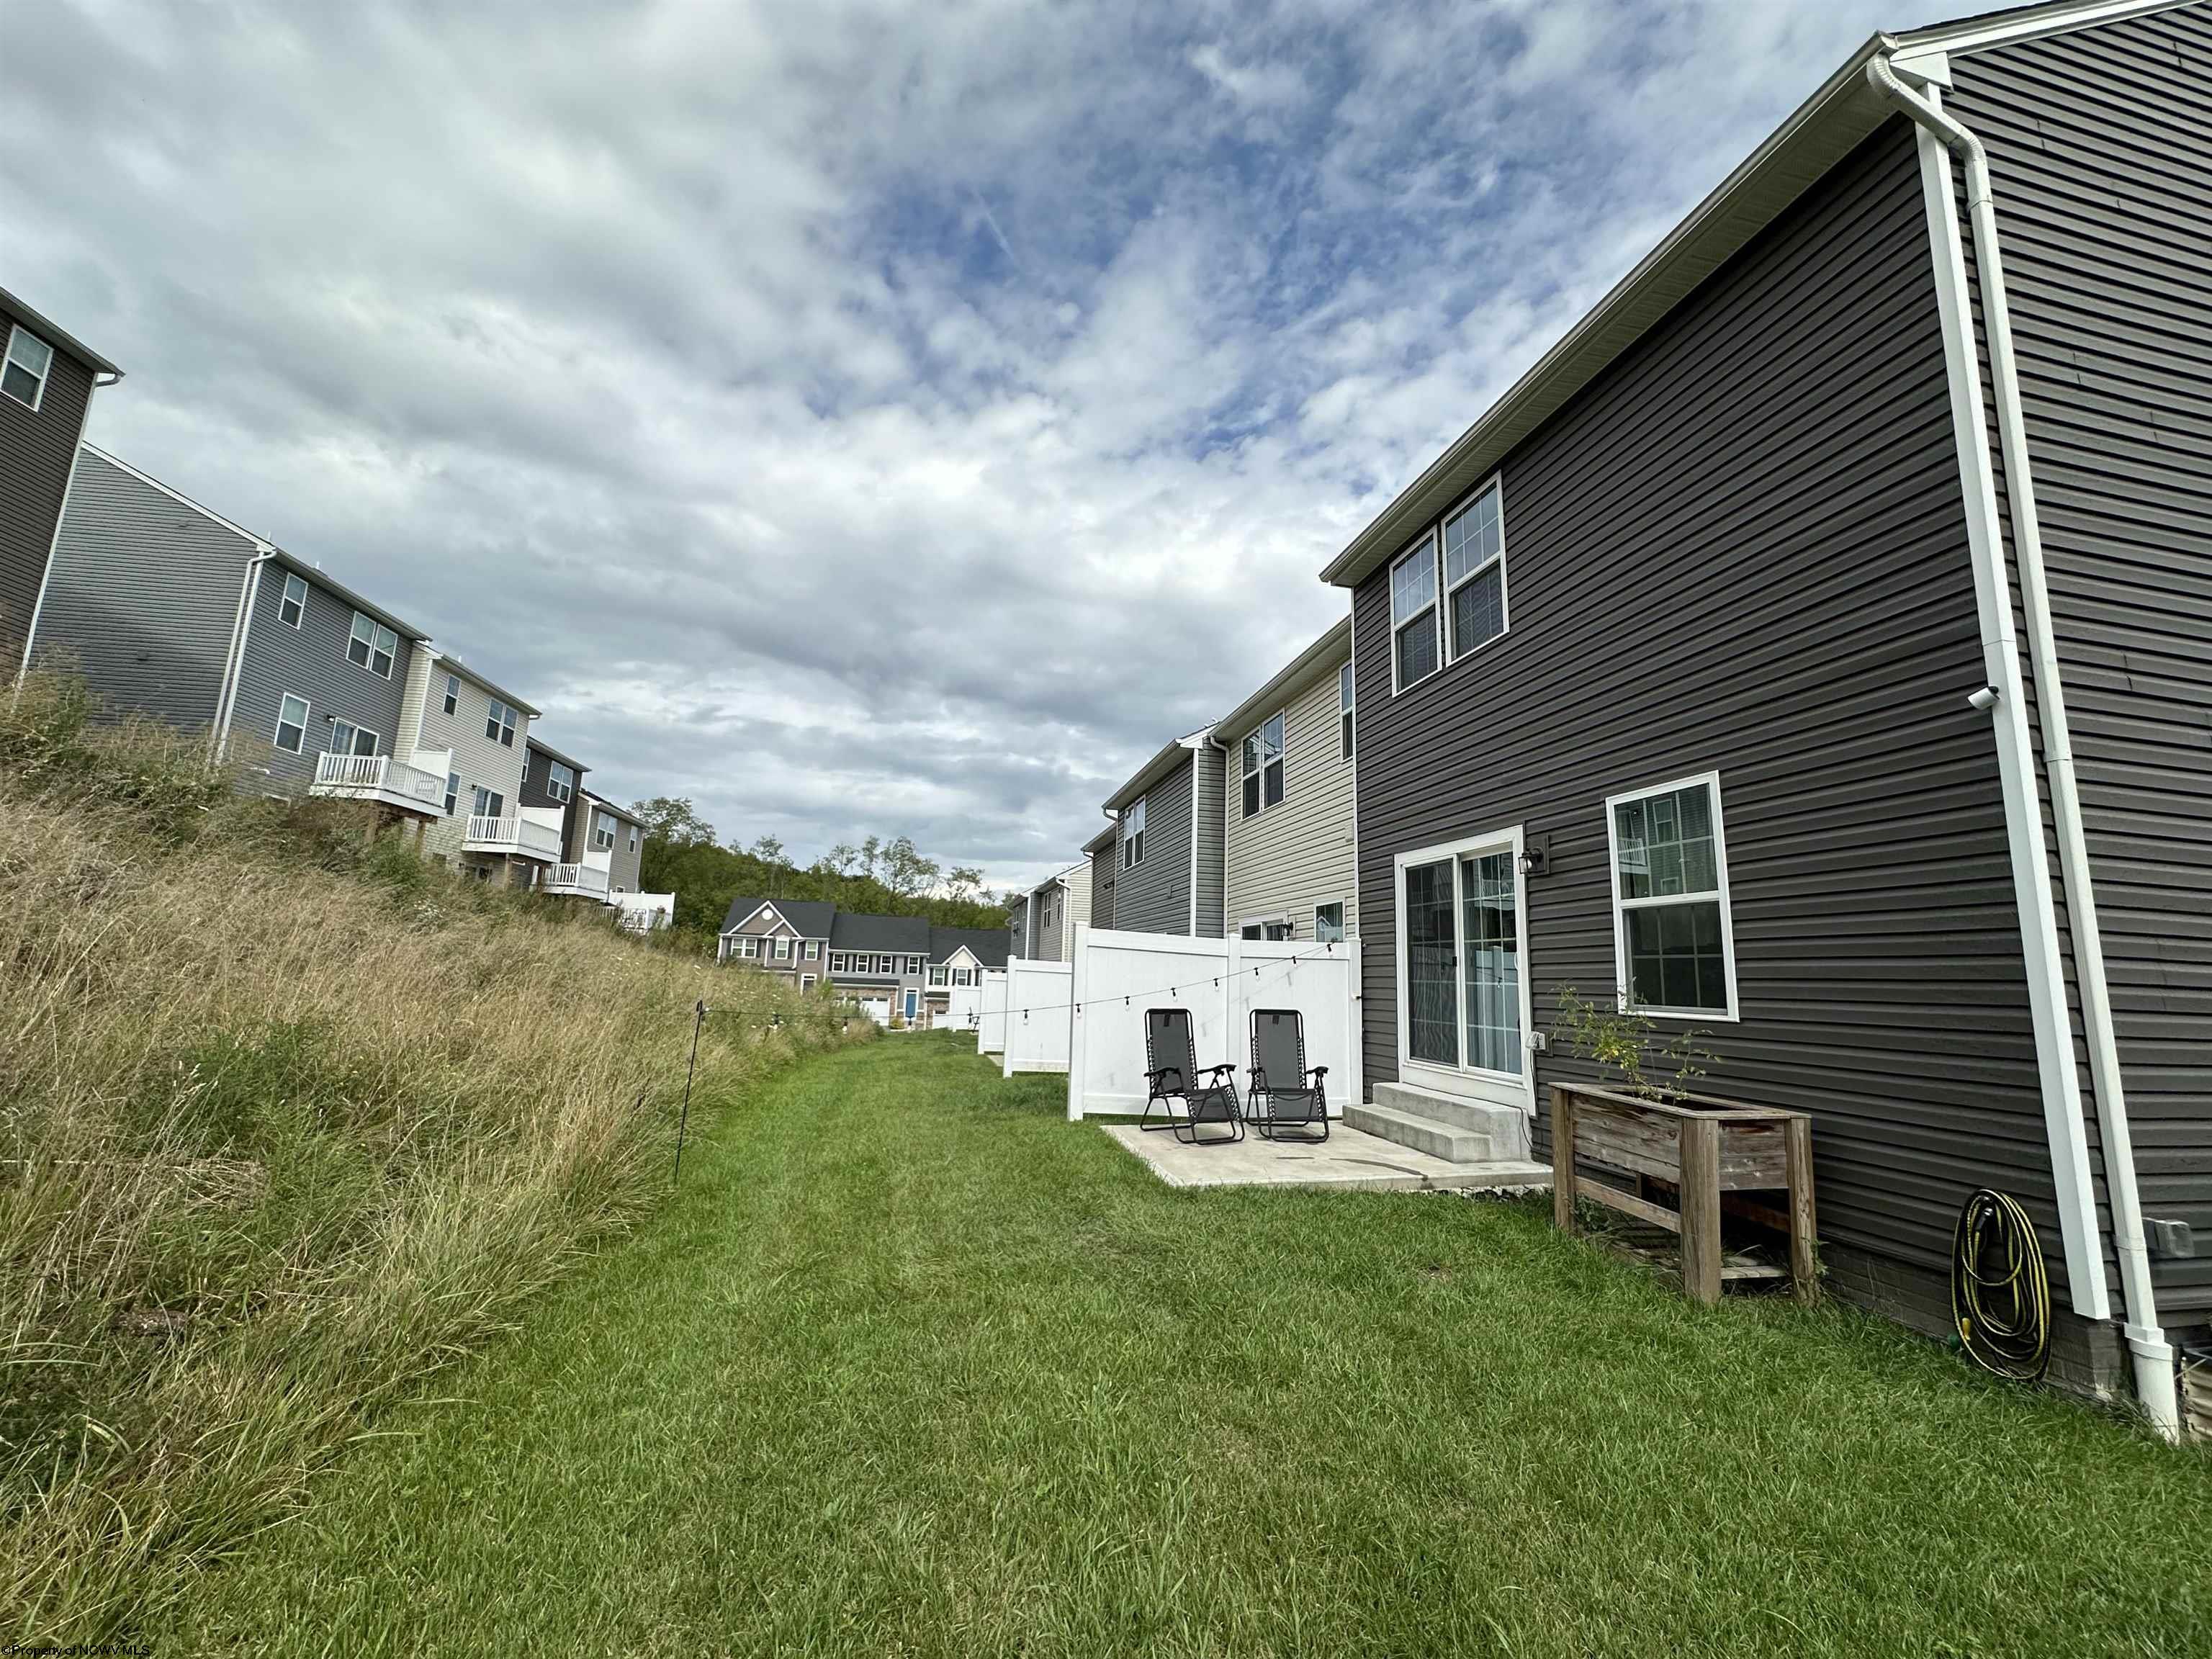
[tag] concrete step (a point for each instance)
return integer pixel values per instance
(1448, 1142)
(1506, 1125)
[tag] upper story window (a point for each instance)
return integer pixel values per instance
(452, 694)
(603, 832)
(1344, 705)
(373, 645)
(783, 950)
(914, 965)
(560, 780)
(452, 792)
(293, 605)
(1263, 766)
(1474, 572)
(498, 725)
(813, 948)
(940, 974)
(347, 738)
(1413, 614)
(292, 723)
(839, 963)
(1132, 835)
(1673, 946)
(28, 361)
(633, 838)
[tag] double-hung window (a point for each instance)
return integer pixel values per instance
(559, 780)
(1344, 712)
(293, 605)
(347, 738)
(499, 724)
(813, 949)
(1672, 949)
(1132, 835)
(28, 362)
(1263, 766)
(490, 802)
(940, 974)
(292, 723)
(783, 950)
(372, 645)
(603, 832)
(1474, 572)
(1413, 613)
(452, 693)
(914, 965)
(452, 792)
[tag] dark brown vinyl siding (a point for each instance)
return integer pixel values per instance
(36, 448)
(1743, 548)
(1154, 897)
(2100, 150)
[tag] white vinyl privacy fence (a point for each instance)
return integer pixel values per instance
(991, 1014)
(1037, 1006)
(1117, 975)
(963, 1004)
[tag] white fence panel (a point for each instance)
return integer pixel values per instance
(1118, 976)
(963, 1004)
(991, 1014)
(1037, 1005)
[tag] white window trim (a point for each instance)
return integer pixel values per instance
(284, 598)
(1347, 714)
(1279, 919)
(1468, 1082)
(1426, 547)
(375, 737)
(453, 700)
(1136, 809)
(1338, 905)
(563, 793)
(1497, 482)
(44, 377)
(783, 947)
(806, 984)
(813, 949)
(1712, 781)
(454, 787)
(1258, 735)
(377, 630)
(306, 710)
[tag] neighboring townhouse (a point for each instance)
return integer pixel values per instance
(1288, 869)
(553, 792)
(168, 609)
(1104, 853)
(1812, 655)
(1057, 906)
(903, 965)
(1169, 819)
(47, 377)
(465, 727)
(1018, 923)
(614, 840)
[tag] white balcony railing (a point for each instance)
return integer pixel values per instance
(378, 777)
(578, 878)
(518, 837)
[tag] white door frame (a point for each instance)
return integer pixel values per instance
(1494, 1088)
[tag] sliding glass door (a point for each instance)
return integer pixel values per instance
(1465, 999)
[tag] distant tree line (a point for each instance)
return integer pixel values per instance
(882, 878)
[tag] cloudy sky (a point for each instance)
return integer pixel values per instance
(855, 416)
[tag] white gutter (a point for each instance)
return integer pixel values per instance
(2151, 1356)
(234, 664)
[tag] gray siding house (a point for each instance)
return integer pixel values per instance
(47, 377)
(1103, 852)
(1287, 864)
(169, 609)
(1725, 665)
(1168, 823)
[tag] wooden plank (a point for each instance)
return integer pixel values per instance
(1753, 1270)
(1751, 1154)
(1627, 1203)
(1563, 1160)
(1804, 1270)
(1701, 1209)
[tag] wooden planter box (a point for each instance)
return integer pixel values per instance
(1705, 1148)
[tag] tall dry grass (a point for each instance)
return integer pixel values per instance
(285, 1122)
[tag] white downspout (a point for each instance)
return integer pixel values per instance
(2151, 1356)
(226, 696)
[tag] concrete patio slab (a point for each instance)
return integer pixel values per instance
(1348, 1160)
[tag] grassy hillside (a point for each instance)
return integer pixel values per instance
(287, 1119)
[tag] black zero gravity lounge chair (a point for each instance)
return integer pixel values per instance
(1172, 1073)
(1285, 1093)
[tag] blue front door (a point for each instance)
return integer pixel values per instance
(913, 1003)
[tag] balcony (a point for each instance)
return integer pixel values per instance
(381, 779)
(514, 837)
(581, 880)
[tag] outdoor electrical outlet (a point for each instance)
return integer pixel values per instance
(2171, 1239)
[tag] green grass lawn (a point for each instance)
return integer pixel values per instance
(913, 1365)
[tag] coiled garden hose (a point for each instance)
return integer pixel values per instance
(2000, 1293)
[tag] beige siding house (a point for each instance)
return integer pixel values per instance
(1289, 863)
(464, 727)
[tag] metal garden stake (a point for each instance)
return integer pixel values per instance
(699, 1019)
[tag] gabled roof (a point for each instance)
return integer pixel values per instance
(810, 918)
(54, 335)
(613, 809)
(906, 934)
(987, 944)
(452, 664)
(1161, 765)
(1824, 129)
(1323, 656)
(544, 747)
(1062, 878)
(1104, 839)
